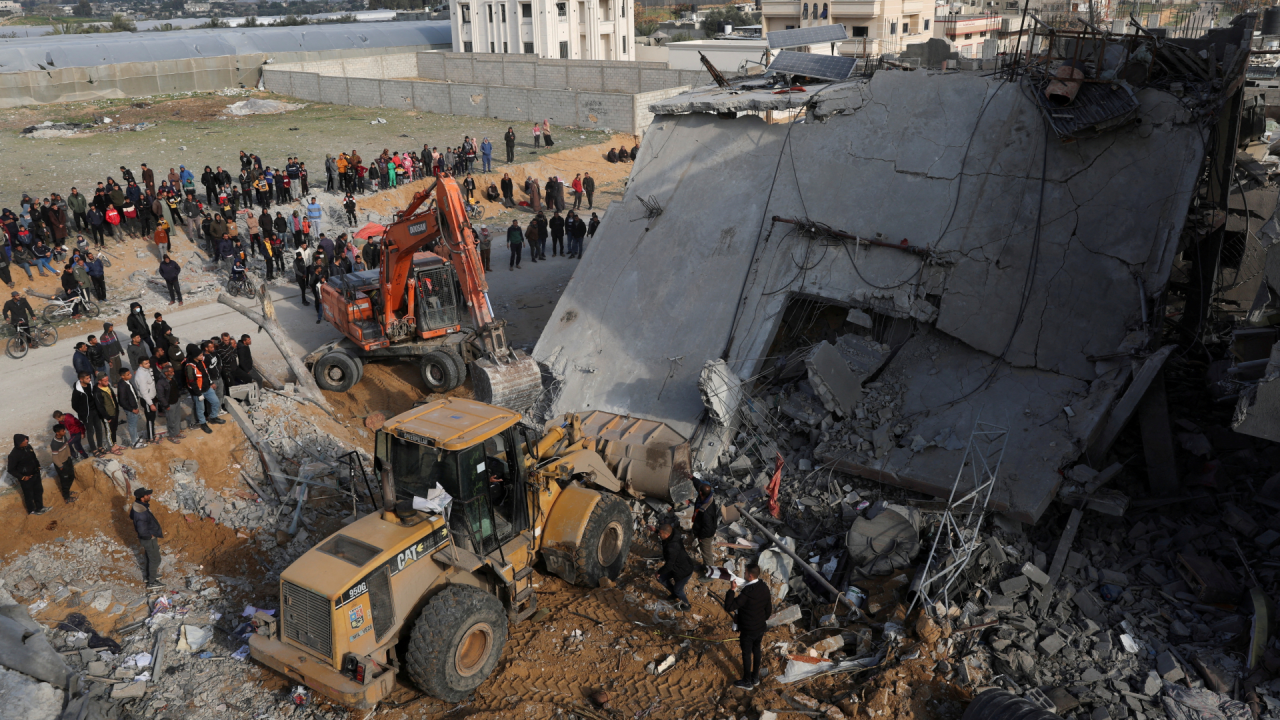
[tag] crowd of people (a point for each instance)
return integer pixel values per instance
(130, 393)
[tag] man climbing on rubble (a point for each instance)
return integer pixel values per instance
(148, 529)
(706, 520)
(677, 566)
(751, 607)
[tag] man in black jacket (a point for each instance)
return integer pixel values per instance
(148, 529)
(706, 520)
(25, 467)
(510, 140)
(84, 406)
(751, 607)
(245, 356)
(677, 567)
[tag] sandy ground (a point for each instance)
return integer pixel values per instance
(196, 131)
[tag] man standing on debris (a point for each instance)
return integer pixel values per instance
(60, 448)
(751, 607)
(24, 466)
(148, 529)
(677, 566)
(706, 516)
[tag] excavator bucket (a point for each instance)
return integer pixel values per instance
(514, 383)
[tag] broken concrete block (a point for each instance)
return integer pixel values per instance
(1015, 585)
(1051, 644)
(1154, 575)
(836, 384)
(1239, 520)
(1091, 675)
(27, 698)
(1111, 577)
(1037, 575)
(789, 614)
(999, 603)
(831, 644)
(1100, 713)
(1087, 604)
(30, 653)
(129, 690)
(882, 439)
(97, 668)
(1153, 684)
(1267, 539)
(1168, 667)
(101, 601)
(802, 408)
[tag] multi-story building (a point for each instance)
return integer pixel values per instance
(11, 7)
(875, 27)
(577, 29)
(969, 33)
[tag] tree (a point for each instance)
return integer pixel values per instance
(718, 17)
(289, 20)
(213, 22)
(645, 28)
(47, 10)
(83, 9)
(123, 23)
(251, 21)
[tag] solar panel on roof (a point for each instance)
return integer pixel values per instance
(827, 67)
(807, 36)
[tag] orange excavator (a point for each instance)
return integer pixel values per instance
(411, 307)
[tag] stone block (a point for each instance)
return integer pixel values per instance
(1051, 644)
(1015, 585)
(129, 690)
(1168, 667)
(1037, 575)
(1238, 520)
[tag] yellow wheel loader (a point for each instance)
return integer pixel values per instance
(428, 588)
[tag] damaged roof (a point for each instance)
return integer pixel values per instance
(1031, 258)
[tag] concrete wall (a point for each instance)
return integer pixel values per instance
(143, 79)
(600, 94)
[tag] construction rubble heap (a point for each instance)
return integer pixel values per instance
(981, 367)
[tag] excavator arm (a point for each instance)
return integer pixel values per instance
(500, 375)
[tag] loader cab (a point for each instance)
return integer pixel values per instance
(474, 452)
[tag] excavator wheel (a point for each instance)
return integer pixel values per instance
(337, 371)
(514, 385)
(439, 372)
(605, 542)
(456, 642)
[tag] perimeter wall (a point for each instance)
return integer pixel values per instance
(600, 94)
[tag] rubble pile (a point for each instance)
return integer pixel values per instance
(121, 654)
(293, 435)
(241, 509)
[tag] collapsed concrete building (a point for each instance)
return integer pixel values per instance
(1009, 257)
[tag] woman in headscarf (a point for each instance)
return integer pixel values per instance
(546, 132)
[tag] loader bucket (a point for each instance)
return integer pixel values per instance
(645, 454)
(513, 384)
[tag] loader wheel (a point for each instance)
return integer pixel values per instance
(337, 371)
(456, 642)
(605, 542)
(439, 372)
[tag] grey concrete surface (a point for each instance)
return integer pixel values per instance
(949, 162)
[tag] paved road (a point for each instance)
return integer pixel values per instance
(36, 385)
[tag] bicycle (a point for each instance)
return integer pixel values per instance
(60, 308)
(24, 336)
(240, 286)
(475, 211)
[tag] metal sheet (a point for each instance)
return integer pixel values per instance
(827, 67)
(807, 36)
(1095, 109)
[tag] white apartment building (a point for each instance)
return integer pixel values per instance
(10, 7)
(570, 29)
(875, 27)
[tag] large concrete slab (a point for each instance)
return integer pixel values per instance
(960, 164)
